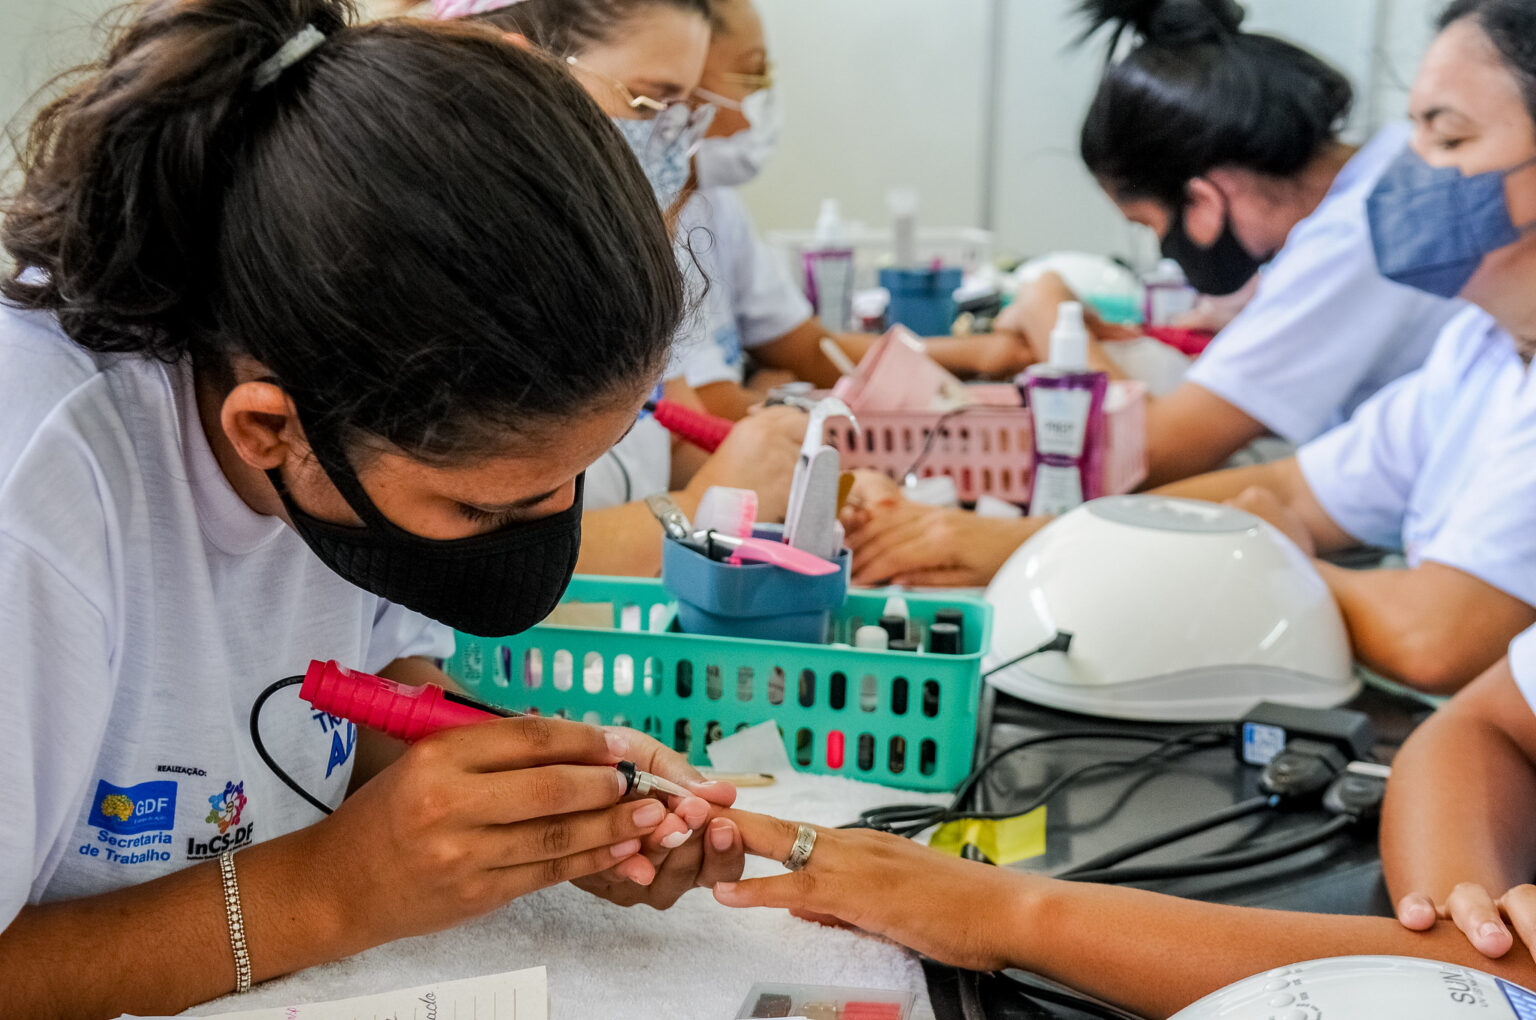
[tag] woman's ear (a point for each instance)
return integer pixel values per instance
(517, 39)
(1205, 212)
(261, 424)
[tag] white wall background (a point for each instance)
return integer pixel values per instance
(974, 102)
(887, 93)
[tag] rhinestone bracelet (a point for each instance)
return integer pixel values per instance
(236, 922)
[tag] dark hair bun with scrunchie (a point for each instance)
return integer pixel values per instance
(1165, 22)
(1196, 92)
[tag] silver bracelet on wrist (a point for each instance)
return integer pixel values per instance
(236, 922)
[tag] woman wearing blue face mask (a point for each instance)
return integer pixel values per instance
(1226, 144)
(1440, 465)
(753, 309)
(1461, 805)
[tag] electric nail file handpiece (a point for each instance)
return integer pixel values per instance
(410, 713)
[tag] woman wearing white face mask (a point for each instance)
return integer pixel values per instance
(642, 61)
(752, 306)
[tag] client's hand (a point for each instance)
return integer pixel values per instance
(760, 455)
(913, 544)
(1267, 506)
(688, 850)
(872, 491)
(1480, 917)
(955, 911)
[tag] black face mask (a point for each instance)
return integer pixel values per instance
(1221, 269)
(491, 585)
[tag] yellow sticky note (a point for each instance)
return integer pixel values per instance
(1004, 841)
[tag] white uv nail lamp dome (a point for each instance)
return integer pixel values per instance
(1367, 988)
(1178, 610)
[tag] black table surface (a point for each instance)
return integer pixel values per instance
(1342, 876)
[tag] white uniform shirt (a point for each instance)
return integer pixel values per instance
(146, 607)
(750, 301)
(1522, 663)
(1325, 330)
(1442, 463)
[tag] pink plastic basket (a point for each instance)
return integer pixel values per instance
(989, 450)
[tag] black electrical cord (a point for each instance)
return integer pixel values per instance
(1242, 809)
(910, 819)
(261, 749)
(1221, 862)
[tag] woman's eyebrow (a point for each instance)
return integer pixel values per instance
(521, 504)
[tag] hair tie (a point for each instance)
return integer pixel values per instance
(291, 52)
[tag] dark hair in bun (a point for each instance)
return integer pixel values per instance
(1195, 92)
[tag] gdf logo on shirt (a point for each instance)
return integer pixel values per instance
(126, 810)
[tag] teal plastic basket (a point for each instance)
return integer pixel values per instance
(896, 718)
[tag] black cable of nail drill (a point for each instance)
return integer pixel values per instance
(261, 749)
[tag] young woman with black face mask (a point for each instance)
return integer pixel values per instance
(1226, 144)
(279, 382)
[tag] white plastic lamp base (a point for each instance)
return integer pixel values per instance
(1178, 610)
(1367, 988)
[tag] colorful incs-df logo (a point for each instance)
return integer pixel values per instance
(224, 808)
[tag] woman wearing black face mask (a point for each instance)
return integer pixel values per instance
(278, 383)
(1226, 144)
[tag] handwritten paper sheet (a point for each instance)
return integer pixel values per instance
(520, 995)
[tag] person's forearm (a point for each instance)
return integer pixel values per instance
(729, 400)
(625, 541)
(1409, 629)
(1218, 486)
(160, 947)
(1155, 954)
(1461, 807)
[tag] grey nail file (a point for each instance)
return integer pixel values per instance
(811, 524)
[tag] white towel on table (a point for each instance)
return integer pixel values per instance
(693, 962)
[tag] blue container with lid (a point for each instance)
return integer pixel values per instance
(753, 600)
(923, 300)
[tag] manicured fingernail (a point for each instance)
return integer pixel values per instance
(1491, 930)
(720, 836)
(704, 784)
(676, 840)
(628, 848)
(650, 813)
(725, 888)
(637, 870)
(617, 745)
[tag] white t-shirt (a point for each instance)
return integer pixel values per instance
(1522, 663)
(1442, 463)
(751, 299)
(1325, 330)
(147, 606)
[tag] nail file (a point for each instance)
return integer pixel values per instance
(839, 358)
(812, 526)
